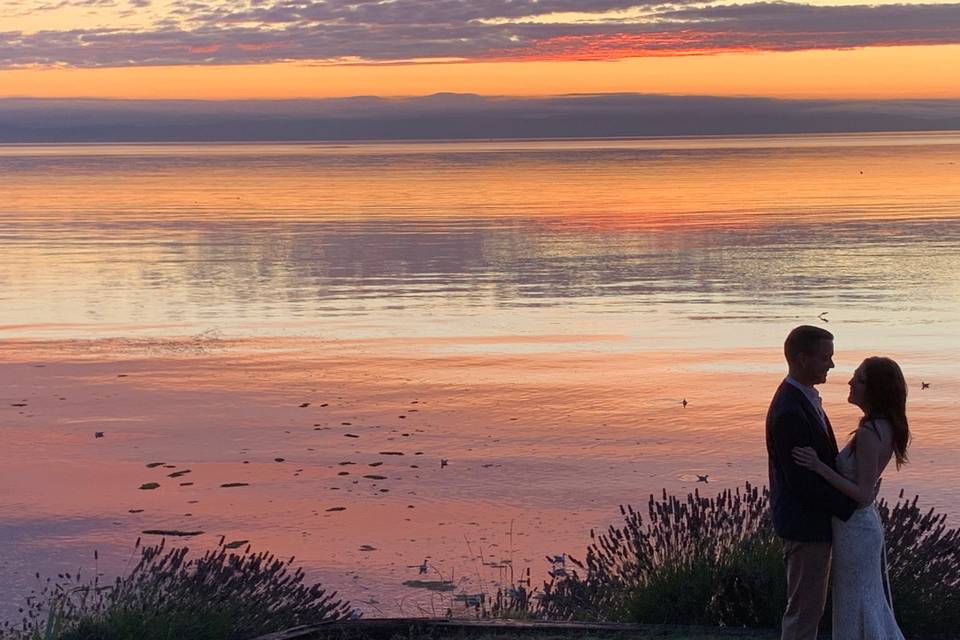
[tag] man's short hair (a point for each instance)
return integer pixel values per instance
(804, 339)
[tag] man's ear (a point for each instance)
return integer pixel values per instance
(802, 359)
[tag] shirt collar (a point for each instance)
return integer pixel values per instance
(812, 394)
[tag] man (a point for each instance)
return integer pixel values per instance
(801, 501)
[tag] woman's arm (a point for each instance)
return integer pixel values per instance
(790, 430)
(868, 465)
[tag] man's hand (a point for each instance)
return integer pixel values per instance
(807, 457)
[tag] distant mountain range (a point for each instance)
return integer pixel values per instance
(455, 116)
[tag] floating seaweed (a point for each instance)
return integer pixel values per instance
(236, 544)
(431, 585)
(176, 533)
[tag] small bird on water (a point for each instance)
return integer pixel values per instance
(703, 479)
(443, 462)
(924, 385)
(684, 402)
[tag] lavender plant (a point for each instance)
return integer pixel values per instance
(717, 561)
(924, 567)
(220, 595)
(676, 567)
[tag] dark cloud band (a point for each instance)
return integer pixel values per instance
(485, 30)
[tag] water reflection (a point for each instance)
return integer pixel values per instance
(207, 271)
(547, 305)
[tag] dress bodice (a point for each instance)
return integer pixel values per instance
(847, 463)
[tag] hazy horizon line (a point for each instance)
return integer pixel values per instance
(459, 116)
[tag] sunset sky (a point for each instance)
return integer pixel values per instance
(155, 49)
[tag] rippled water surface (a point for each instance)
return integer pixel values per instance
(543, 307)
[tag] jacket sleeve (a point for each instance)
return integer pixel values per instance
(792, 430)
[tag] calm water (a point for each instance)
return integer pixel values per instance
(548, 303)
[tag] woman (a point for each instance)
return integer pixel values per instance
(862, 607)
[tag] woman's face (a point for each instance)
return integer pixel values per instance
(858, 388)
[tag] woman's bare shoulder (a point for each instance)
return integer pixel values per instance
(879, 428)
(881, 424)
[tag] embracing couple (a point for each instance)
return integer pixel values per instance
(822, 499)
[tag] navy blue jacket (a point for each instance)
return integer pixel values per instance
(800, 500)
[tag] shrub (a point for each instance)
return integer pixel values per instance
(221, 595)
(924, 568)
(677, 567)
(717, 561)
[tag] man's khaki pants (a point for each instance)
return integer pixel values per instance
(808, 575)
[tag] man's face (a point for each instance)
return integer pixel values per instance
(818, 362)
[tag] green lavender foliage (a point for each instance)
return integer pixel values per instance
(694, 561)
(924, 569)
(717, 561)
(220, 595)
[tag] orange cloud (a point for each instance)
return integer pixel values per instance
(693, 42)
(210, 48)
(260, 46)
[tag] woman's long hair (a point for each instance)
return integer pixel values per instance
(886, 397)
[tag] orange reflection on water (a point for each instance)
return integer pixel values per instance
(513, 308)
(520, 431)
(629, 183)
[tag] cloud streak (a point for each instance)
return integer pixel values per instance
(491, 30)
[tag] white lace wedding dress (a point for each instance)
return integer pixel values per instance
(862, 606)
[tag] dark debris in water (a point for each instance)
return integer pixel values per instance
(430, 585)
(236, 544)
(172, 533)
